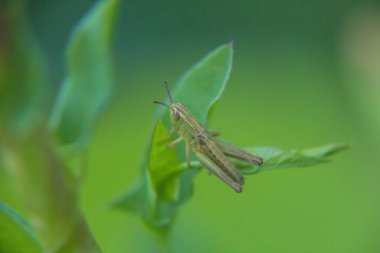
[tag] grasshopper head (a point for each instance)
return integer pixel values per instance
(177, 111)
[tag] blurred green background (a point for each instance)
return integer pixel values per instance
(305, 73)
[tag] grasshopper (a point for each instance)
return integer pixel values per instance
(211, 152)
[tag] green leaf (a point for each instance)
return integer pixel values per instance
(276, 158)
(163, 164)
(165, 185)
(23, 72)
(205, 81)
(88, 82)
(161, 189)
(49, 192)
(44, 181)
(15, 234)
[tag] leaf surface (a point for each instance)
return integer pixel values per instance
(15, 233)
(165, 186)
(88, 81)
(277, 158)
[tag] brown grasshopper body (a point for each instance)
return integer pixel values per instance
(211, 152)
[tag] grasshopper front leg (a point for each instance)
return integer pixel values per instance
(188, 146)
(188, 160)
(175, 142)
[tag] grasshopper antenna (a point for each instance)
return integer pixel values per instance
(160, 103)
(168, 92)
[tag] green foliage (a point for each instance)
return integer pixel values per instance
(15, 234)
(43, 177)
(22, 96)
(89, 78)
(50, 192)
(205, 81)
(164, 186)
(166, 183)
(276, 158)
(163, 165)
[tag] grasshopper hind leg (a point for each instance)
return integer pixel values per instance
(235, 152)
(214, 169)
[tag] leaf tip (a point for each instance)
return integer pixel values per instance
(230, 44)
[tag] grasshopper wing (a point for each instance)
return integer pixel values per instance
(236, 152)
(213, 168)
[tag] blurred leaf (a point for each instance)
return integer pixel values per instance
(89, 75)
(47, 187)
(49, 192)
(164, 186)
(15, 234)
(133, 199)
(23, 86)
(276, 158)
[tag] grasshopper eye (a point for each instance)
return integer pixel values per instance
(176, 115)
